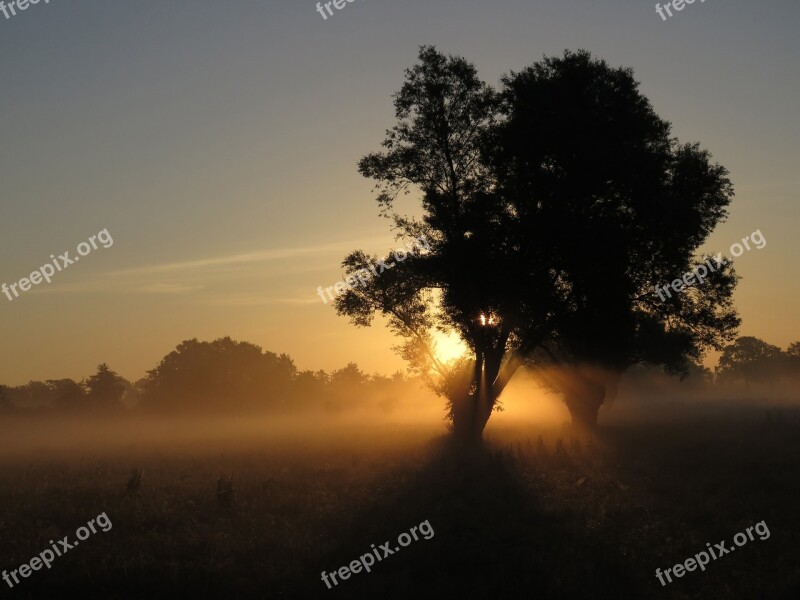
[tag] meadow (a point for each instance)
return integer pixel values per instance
(259, 510)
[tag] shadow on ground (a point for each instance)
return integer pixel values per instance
(492, 539)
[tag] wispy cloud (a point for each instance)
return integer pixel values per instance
(274, 254)
(170, 288)
(110, 285)
(203, 275)
(259, 300)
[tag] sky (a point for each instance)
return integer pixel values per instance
(217, 143)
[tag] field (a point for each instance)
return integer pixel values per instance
(259, 511)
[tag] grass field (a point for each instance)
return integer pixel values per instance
(540, 513)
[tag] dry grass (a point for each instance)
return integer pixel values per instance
(541, 513)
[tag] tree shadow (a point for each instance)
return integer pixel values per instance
(492, 539)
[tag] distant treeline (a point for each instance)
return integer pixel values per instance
(226, 376)
(747, 364)
(220, 376)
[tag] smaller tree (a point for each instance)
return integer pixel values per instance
(223, 375)
(792, 355)
(347, 386)
(5, 403)
(698, 376)
(309, 389)
(34, 395)
(104, 389)
(69, 395)
(751, 360)
(349, 377)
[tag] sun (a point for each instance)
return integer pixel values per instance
(448, 346)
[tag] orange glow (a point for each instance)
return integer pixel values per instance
(448, 347)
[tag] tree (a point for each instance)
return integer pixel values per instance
(309, 388)
(69, 395)
(751, 360)
(219, 375)
(698, 376)
(793, 360)
(349, 377)
(444, 114)
(346, 387)
(617, 207)
(551, 211)
(34, 395)
(5, 403)
(104, 389)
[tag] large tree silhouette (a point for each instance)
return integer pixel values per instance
(552, 209)
(611, 206)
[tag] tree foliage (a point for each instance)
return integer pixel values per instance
(105, 388)
(219, 375)
(552, 208)
(752, 360)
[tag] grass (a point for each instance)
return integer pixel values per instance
(540, 513)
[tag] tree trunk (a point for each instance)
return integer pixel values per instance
(470, 415)
(461, 419)
(472, 409)
(584, 402)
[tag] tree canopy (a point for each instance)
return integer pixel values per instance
(218, 375)
(553, 207)
(752, 360)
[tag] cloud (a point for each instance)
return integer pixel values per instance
(241, 259)
(241, 300)
(169, 288)
(192, 276)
